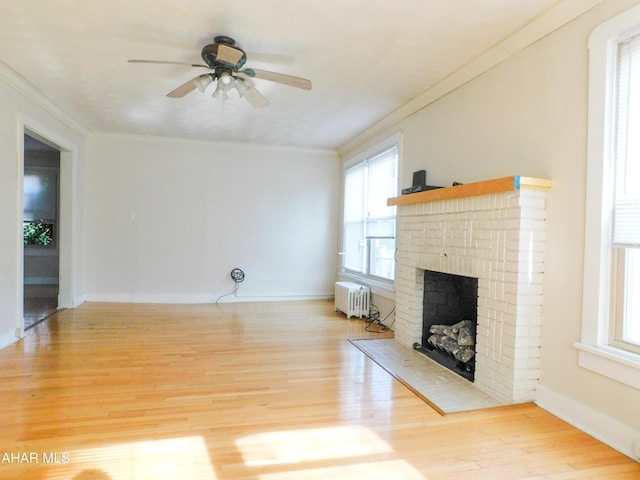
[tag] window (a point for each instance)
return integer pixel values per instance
(626, 288)
(40, 206)
(369, 224)
(626, 198)
(610, 343)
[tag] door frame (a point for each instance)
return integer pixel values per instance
(67, 233)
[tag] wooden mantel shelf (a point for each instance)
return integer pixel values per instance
(485, 187)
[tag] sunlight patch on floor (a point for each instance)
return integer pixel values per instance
(308, 445)
(183, 458)
(349, 452)
(381, 470)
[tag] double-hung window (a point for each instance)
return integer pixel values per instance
(369, 224)
(626, 198)
(610, 343)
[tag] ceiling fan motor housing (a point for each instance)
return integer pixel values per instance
(210, 53)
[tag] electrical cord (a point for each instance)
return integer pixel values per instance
(393, 310)
(237, 275)
(374, 313)
(374, 319)
(230, 293)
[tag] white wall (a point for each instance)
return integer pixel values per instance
(22, 107)
(528, 116)
(167, 220)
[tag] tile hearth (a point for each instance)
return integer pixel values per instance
(439, 387)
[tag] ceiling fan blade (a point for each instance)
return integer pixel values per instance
(167, 62)
(290, 80)
(229, 55)
(247, 78)
(272, 58)
(187, 87)
(255, 98)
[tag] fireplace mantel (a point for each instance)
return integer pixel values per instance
(497, 185)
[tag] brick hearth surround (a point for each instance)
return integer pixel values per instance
(494, 231)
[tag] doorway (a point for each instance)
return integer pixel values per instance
(41, 231)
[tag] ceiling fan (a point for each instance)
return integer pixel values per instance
(224, 60)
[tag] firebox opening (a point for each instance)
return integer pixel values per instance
(450, 317)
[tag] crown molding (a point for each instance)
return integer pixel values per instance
(17, 82)
(548, 22)
(199, 141)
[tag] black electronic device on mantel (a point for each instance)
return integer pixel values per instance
(419, 183)
(419, 177)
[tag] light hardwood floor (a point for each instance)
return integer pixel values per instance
(40, 301)
(251, 391)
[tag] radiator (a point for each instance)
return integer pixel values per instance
(352, 299)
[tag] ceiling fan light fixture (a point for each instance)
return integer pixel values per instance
(203, 81)
(226, 79)
(220, 92)
(242, 87)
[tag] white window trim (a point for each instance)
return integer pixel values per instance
(358, 156)
(377, 287)
(382, 286)
(594, 353)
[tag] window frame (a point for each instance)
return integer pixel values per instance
(352, 161)
(596, 349)
(619, 300)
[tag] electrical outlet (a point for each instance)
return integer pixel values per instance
(18, 332)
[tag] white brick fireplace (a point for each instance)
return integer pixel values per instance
(493, 231)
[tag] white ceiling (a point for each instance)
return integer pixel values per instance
(366, 58)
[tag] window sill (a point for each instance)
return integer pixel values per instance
(40, 251)
(615, 363)
(386, 290)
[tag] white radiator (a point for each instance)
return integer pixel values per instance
(352, 299)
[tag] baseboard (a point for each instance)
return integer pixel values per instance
(143, 298)
(8, 338)
(278, 298)
(76, 301)
(606, 429)
(197, 299)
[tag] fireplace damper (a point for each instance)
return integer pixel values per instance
(450, 313)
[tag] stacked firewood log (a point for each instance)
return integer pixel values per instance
(457, 339)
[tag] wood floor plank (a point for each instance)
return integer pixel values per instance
(251, 391)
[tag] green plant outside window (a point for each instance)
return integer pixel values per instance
(38, 233)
